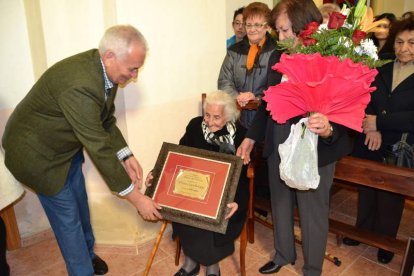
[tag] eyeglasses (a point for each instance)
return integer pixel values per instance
(255, 26)
(238, 23)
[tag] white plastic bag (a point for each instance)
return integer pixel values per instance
(299, 158)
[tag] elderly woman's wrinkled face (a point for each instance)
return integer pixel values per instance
(214, 117)
(284, 27)
(404, 46)
(256, 28)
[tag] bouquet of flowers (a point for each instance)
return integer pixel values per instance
(329, 69)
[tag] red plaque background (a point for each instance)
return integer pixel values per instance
(209, 207)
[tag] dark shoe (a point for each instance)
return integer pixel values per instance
(99, 266)
(350, 242)
(384, 256)
(271, 267)
(193, 272)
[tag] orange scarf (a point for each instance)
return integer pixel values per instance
(254, 52)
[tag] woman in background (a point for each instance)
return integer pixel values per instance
(244, 71)
(389, 114)
(380, 36)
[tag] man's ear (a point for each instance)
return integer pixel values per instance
(108, 55)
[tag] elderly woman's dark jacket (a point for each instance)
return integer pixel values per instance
(204, 246)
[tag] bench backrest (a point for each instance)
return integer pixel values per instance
(377, 175)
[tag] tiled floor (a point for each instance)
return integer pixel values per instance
(44, 258)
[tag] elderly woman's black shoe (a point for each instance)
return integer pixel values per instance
(193, 272)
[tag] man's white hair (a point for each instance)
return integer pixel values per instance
(119, 38)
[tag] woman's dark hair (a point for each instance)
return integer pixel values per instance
(237, 12)
(299, 12)
(407, 14)
(399, 26)
(390, 16)
(257, 9)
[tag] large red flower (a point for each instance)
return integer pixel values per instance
(339, 89)
(357, 36)
(336, 20)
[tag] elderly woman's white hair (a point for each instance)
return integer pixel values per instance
(119, 39)
(223, 98)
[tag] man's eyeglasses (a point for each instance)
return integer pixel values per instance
(237, 23)
(255, 26)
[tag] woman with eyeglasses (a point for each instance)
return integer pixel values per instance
(244, 71)
(238, 28)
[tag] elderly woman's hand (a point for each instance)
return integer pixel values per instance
(373, 140)
(233, 208)
(148, 180)
(319, 124)
(369, 123)
(244, 97)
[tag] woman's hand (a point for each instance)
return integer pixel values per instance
(148, 180)
(233, 208)
(244, 97)
(244, 150)
(319, 124)
(369, 123)
(373, 140)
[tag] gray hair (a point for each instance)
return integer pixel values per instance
(223, 98)
(119, 38)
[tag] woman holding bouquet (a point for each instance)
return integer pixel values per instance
(389, 115)
(289, 18)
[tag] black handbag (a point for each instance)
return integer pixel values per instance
(400, 154)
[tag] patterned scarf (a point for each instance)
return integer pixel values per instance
(223, 139)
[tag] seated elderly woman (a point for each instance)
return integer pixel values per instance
(218, 130)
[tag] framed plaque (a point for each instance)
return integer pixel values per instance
(193, 186)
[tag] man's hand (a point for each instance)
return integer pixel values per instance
(233, 208)
(147, 208)
(373, 140)
(244, 150)
(134, 171)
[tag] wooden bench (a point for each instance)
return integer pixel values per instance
(352, 171)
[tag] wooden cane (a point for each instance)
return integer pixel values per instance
(155, 248)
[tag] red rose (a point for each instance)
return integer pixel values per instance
(306, 34)
(357, 36)
(309, 41)
(336, 20)
(313, 26)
